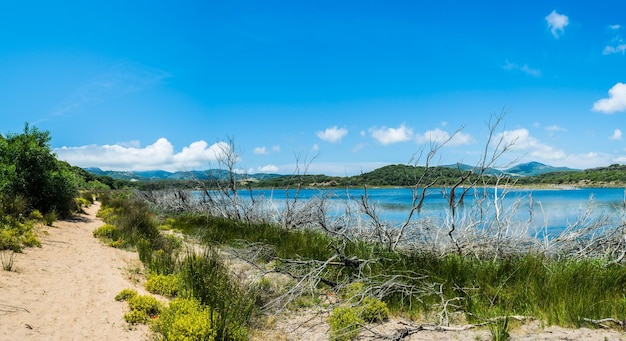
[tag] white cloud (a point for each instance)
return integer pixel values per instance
(616, 101)
(315, 147)
(332, 134)
(524, 68)
(268, 169)
(440, 136)
(159, 155)
(617, 42)
(617, 135)
(557, 23)
(621, 48)
(260, 151)
(276, 148)
(386, 135)
(521, 140)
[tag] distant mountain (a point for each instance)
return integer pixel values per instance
(391, 174)
(156, 175)
(536, 168)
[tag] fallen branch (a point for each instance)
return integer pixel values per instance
(601, 322)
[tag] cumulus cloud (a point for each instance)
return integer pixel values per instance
(521, 140)
(617, 135)
(557, 23)
(332, 134)
(159, 155)
(386, 135)
(440, 136)
(616, 101)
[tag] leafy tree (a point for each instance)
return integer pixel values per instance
(29, 170)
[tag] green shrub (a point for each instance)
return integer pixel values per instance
(126, 294)
(165, 285)
(82, 202)
(373, 310)
(142, 308)
(107, 231)
(10, 240)
(35, 215)
(185, 319)
(29, 239)
(345, 323)
(107, 214)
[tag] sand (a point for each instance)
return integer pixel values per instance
(65, 290)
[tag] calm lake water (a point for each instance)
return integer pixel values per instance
(553, 209)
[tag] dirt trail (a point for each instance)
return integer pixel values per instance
(65, 290)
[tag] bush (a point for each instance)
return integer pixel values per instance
(344, 323)
(35, 215)
(14, 235)
(142, 309)
(107, 231)
(126, 294)
(373, 310)
(165, 285)
(185, 319)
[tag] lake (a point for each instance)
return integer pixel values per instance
(553, 209)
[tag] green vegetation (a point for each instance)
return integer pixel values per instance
(345, 323)
(164, 285)
(34, 187)
(143, 308)
(186, 319)
(203, 288)
(391, 175)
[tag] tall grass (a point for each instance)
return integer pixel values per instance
(558, 291)
(230, 301)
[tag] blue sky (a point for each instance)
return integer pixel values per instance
(347, 86)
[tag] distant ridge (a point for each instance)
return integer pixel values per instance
(156, 175)
(521, 170)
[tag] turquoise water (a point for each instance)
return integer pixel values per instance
(552, 209)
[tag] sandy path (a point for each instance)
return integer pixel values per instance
(65, 290)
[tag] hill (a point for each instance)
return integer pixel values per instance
(535, 168)
(391, 175)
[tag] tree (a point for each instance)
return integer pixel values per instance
(29, 170)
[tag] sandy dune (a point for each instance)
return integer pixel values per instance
(65, 290)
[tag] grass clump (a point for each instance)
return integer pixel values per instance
(164, 285)
(231, 303)
(8, 262)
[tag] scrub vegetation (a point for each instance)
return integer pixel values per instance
(465, 271)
